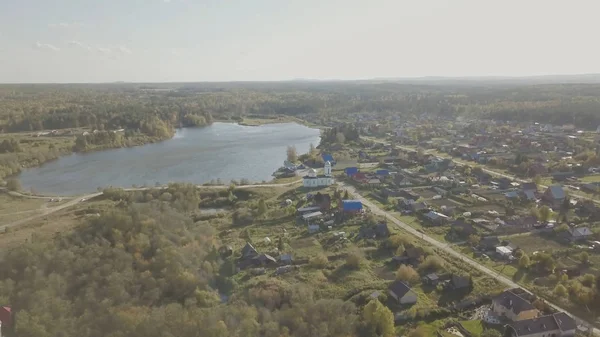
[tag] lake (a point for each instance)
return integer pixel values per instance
(223, 151)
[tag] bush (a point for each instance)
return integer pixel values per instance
(354, 259)
(432, 263)
(318, 261)
(394, 241)
(407, 274)
(242, 217)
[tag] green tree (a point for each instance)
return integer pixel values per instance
(312, 151)
(262, 207)
(491, 333)
(534, 211)
(346, 195)
(354, 258)
(400, 250)
(474, 239)
(378, 319)
(13, 184)
(418, 332)
(292, 154)
(524, 261)
(584, 257)
(545, 214)
(560, 291)
(281, 244)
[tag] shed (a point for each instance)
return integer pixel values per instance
(6, 316)
(312, 215)
(503, 251)
(382, 172)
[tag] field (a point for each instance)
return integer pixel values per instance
(16, 208)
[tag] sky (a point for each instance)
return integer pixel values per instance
(264, 40)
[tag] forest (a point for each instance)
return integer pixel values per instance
(131, 106)
(145, 268)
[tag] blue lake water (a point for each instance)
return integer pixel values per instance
(196, 155)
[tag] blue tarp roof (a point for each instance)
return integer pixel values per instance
(352, 205)
(382, 172)
(351, 170)
(327, 157)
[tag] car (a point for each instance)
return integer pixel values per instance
(82, 200)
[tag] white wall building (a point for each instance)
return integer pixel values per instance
(314, 180)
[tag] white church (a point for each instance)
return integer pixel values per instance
(314, 180)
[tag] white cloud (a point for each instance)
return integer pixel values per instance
(104, 50)
(46, 46)
(79, 45)
(124, 50)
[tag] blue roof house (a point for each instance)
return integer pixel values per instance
(350, 171)
(352, 205)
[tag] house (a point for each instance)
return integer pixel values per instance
(489, 242)
(350, 171)
(417, 207)
(374, 182)
(435, 218)
(529, 195)
(408, 194)
(512, 195)
(531, 186)
(555, 195)
(555, 325)
(312, 216)
(579, 233)
(352, 206)
(264, 259)
(249, 251)
(382, 230)
(402, 293)
(313, 180)
(286, 259)
(458, 282)
(5, 317)
(431, 279)
(514, 307)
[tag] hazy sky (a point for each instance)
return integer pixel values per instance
(223, 40)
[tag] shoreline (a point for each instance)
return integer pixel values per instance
(31, 190)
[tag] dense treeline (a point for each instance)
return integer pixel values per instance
(109, 107)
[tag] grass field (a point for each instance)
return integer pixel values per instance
(15, 208)
(591, 179)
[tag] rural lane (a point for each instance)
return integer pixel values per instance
(445, 247)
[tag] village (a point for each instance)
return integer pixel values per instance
(543, 237)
